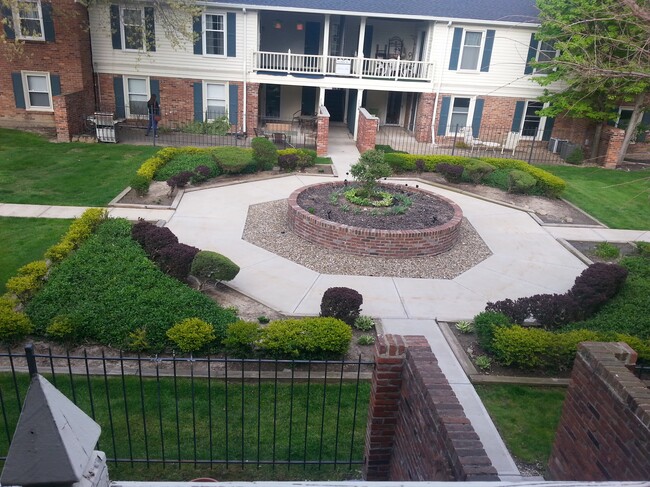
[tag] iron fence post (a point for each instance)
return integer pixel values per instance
(453, 145)
(532, 146)
(31, 360)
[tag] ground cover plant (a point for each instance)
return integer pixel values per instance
(188, 419)
(111, 289)
(526, 417)
(25, 240)
(617, 198)
(35, 171)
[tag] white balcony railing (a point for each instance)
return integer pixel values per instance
(341, 66)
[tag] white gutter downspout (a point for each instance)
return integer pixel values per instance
(245, 70)
(435, 104)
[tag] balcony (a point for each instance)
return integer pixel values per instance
(320, 66)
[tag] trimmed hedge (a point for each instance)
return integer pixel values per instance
(210, 266)
(306, 338)
(342, 303)
(80, 230)
(14, 325)
(191, 334)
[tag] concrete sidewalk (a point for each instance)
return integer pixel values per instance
(69, 212)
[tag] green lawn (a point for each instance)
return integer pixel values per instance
(617, 198)
(33, 170)
(526, 417)
(25, 240)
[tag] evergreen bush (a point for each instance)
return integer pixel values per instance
(342, 303)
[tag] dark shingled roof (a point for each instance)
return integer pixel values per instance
(495, 10)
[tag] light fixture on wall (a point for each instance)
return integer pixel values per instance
(300, 26)
(277, 24)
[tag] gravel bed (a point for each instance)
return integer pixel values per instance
(266, 227)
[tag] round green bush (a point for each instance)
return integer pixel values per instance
(265, 154)
(476, 170)
(520, 182)
(140, 184)
(191, 334)
(242, 337)
(485, 323)
(307, 338)
(63, 329)
(210, 266)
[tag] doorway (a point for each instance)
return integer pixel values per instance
(393, 108)
(335, 104)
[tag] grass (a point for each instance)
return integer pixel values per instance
(617, 198)
(25, 240)
(161, 421)
(33, 170)
(526, 417)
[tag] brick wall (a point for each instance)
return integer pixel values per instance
(69, 113)
(366, 131)
(322, 132)
(417, 429)
(68, 56)
(611, 141)
(372, 242)
(252, 106)
(604, 432)
(422, 130)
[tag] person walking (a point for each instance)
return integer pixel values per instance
(153, 109)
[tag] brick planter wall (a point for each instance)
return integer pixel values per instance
(367, 131)
(604, 432)
(373, 242)
(417, 429)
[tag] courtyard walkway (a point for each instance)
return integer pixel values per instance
(526, 259)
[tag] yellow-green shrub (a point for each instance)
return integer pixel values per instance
(242, 337)
(62, 329)
(551, 184)
(191, 334)
(28, 281)
(79, 231)
(14, 325)
(306, 338)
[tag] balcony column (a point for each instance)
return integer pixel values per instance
(362, 38)
(356, 113)
(326, 44)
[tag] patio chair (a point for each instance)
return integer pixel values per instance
(280, 139)
(475, 143)
(512, 140)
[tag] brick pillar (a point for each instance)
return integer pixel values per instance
(384, 406)
(611, 141)
(322, 132)
(604, 431)
(61, 118)
(252, 106)
(424, 117)
(367, 131)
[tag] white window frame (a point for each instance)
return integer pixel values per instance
(620, 110)
(28, 105)
(17, 18)
(143, 47)
(540, 128)
(205, 96)
(204, 32)
(127, 93)
(451, 131)
(480, 51)
(538, 51)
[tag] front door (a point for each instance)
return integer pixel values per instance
(393, 108)
(335, 103)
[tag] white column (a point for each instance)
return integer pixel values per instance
(326, 43)
(356, 112)
(362, 38)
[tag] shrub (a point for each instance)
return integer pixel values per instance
(180, 180)
(548, 183)
(407, 162)
(14, 325)
(152, 238)
(420, 166)
(553, 310)
(29, 280)
(218, 126)
(485, 323)
(596, 285)
(191, 334)
(79, 231)
(364, 323)
(606, 250)
(576, 156)
(265, 154)
(451, 172)
(187, 159)
(202, 174)
(308, 338)
(242, 337)
(517, 311)
(477, 170)
(263, 319)
(210, 266)
(365, 340)
(176, 260)
(465, 327)
(369, 169)
(137, 341)
(140, 184)
(483, 362)
(288, 162)
(643, 248)
(520, 182)
(63, 329)
(342, 303)
(306, 157)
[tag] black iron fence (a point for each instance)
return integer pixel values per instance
(530, 145)
(205, 411)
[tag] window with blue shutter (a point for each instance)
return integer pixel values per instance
(197, 28)
(150, 29)
(118, 90)
(444, 116)
(548, 128)
(487, 51)
(519, 113)
(478, 115)
(8, 23)
(233, 103)
(231, 34)
(198, 101)
(55, 84)
(154, 89)
(19, 94)
(116, 35)
(532, 54)
(455, 49)
(48, 22)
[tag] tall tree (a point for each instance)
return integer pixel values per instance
(603, 58)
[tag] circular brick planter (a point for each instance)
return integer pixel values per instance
(372, 242)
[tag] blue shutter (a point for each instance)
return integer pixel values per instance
(476, 118)
(118, 90)
(19, 94)
(516, 120)
(548, 128)
(48, 23)
(231, 34)
(8, 23)
(455, 49)
(116, 36)
(532, 54)
(444, 115)
(487, 51)
(197, 29)
(154, 88)
(646, 122)
(198, 101)
(149, 29)
(55, 84)
(233, 103)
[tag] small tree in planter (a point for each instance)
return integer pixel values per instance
(370, 168)
(210, 267)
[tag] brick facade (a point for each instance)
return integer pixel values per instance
(68, 56)
(422, 132)
(394, 244)
(417, 429)
(611, 141)
(322, 132)
(366, 131)
(69, 113)
(604, 432)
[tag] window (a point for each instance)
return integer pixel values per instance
(459, 115)
(471, 50)
(214, 39)
(272, 105)
(29, 21)
(37, 91)
(545, 52)
(624, 117)
(133, 28)
(215, 100)
(532, 123)
(137, 96)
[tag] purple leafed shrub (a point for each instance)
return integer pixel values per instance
(152, 238)
(596, 285)
(554, 310)
(342, 303)
(201, 173)
(180, 180)
(288, 162)
(176, 260)
(516, 310)
(451, 172)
